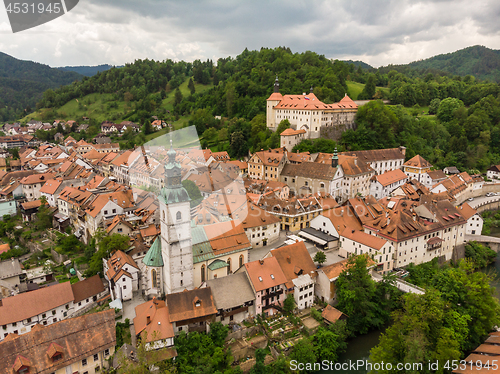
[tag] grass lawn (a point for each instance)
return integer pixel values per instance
(355, 89)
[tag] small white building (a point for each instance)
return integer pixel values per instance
(382, 185)
(303, 293)
(122, 274)
(474, 219)
(359, 242)
(493, 172)
(416, 168)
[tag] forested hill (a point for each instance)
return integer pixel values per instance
(88, 71)
(478, 61)
(23, 82)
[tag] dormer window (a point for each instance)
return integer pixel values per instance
(260, 279)
(272, 276)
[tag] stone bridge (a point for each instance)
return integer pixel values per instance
(401, 285)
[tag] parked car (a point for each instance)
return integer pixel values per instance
(470, 199)
(490, 194)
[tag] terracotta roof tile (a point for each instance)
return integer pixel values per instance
(331, 314)
(265, 273)
(364, 238)
(294, 260)
(152, 318)
(192, 304)
(87, 288)
(418, 162)
(50, 186)
(28, 304)
(391, 177)
(90, 334)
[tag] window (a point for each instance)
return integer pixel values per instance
(203, 273)
(178, 216)
(14, 324)
(229, 266)
(96, 357)
(28, 320)
(114, 210)
(105, 212)
(241, 260)
(54, 320)
(106, 352)
(65, 314)
(153, 277)
(56, 357)
(84, 362)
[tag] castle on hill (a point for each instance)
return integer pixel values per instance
(306, 112)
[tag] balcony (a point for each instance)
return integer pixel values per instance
(272, 294)
(434, 243)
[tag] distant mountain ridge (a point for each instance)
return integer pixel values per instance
(357, 63)
(88, 71)
(22, 83)
(478, 61)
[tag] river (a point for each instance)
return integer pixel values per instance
(359, 348)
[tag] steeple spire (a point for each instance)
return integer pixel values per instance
(335, 159)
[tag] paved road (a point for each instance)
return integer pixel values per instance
(481, 200)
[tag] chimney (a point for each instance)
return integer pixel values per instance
(289, 260)
(261, 262)
(356, 161)
(388, 221)
(148, 320)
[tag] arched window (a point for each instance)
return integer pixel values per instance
(241, 260)
(164, 215)
(229, 267)
(153, 277)
(203, 273)
(178, 216)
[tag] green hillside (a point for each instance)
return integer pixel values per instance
(23, 82)
(87, 71)
(478, 61)
(106, 107)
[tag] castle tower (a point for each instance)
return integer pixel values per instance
(175, 221)
(272, 101)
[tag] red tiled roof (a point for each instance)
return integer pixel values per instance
(265, 273)
(51, 186)
(152, 318)
(28, 304)
(391, 177)
(364, 238)
(418, 162)
(291, 132)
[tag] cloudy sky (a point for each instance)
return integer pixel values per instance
(377, 32)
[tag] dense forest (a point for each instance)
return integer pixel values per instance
(23, 82)
(88, 71)
(478, 61)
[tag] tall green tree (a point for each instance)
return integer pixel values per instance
(356, 292)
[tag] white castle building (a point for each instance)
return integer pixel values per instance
(307, 112)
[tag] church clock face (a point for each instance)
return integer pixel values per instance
(176, 180)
